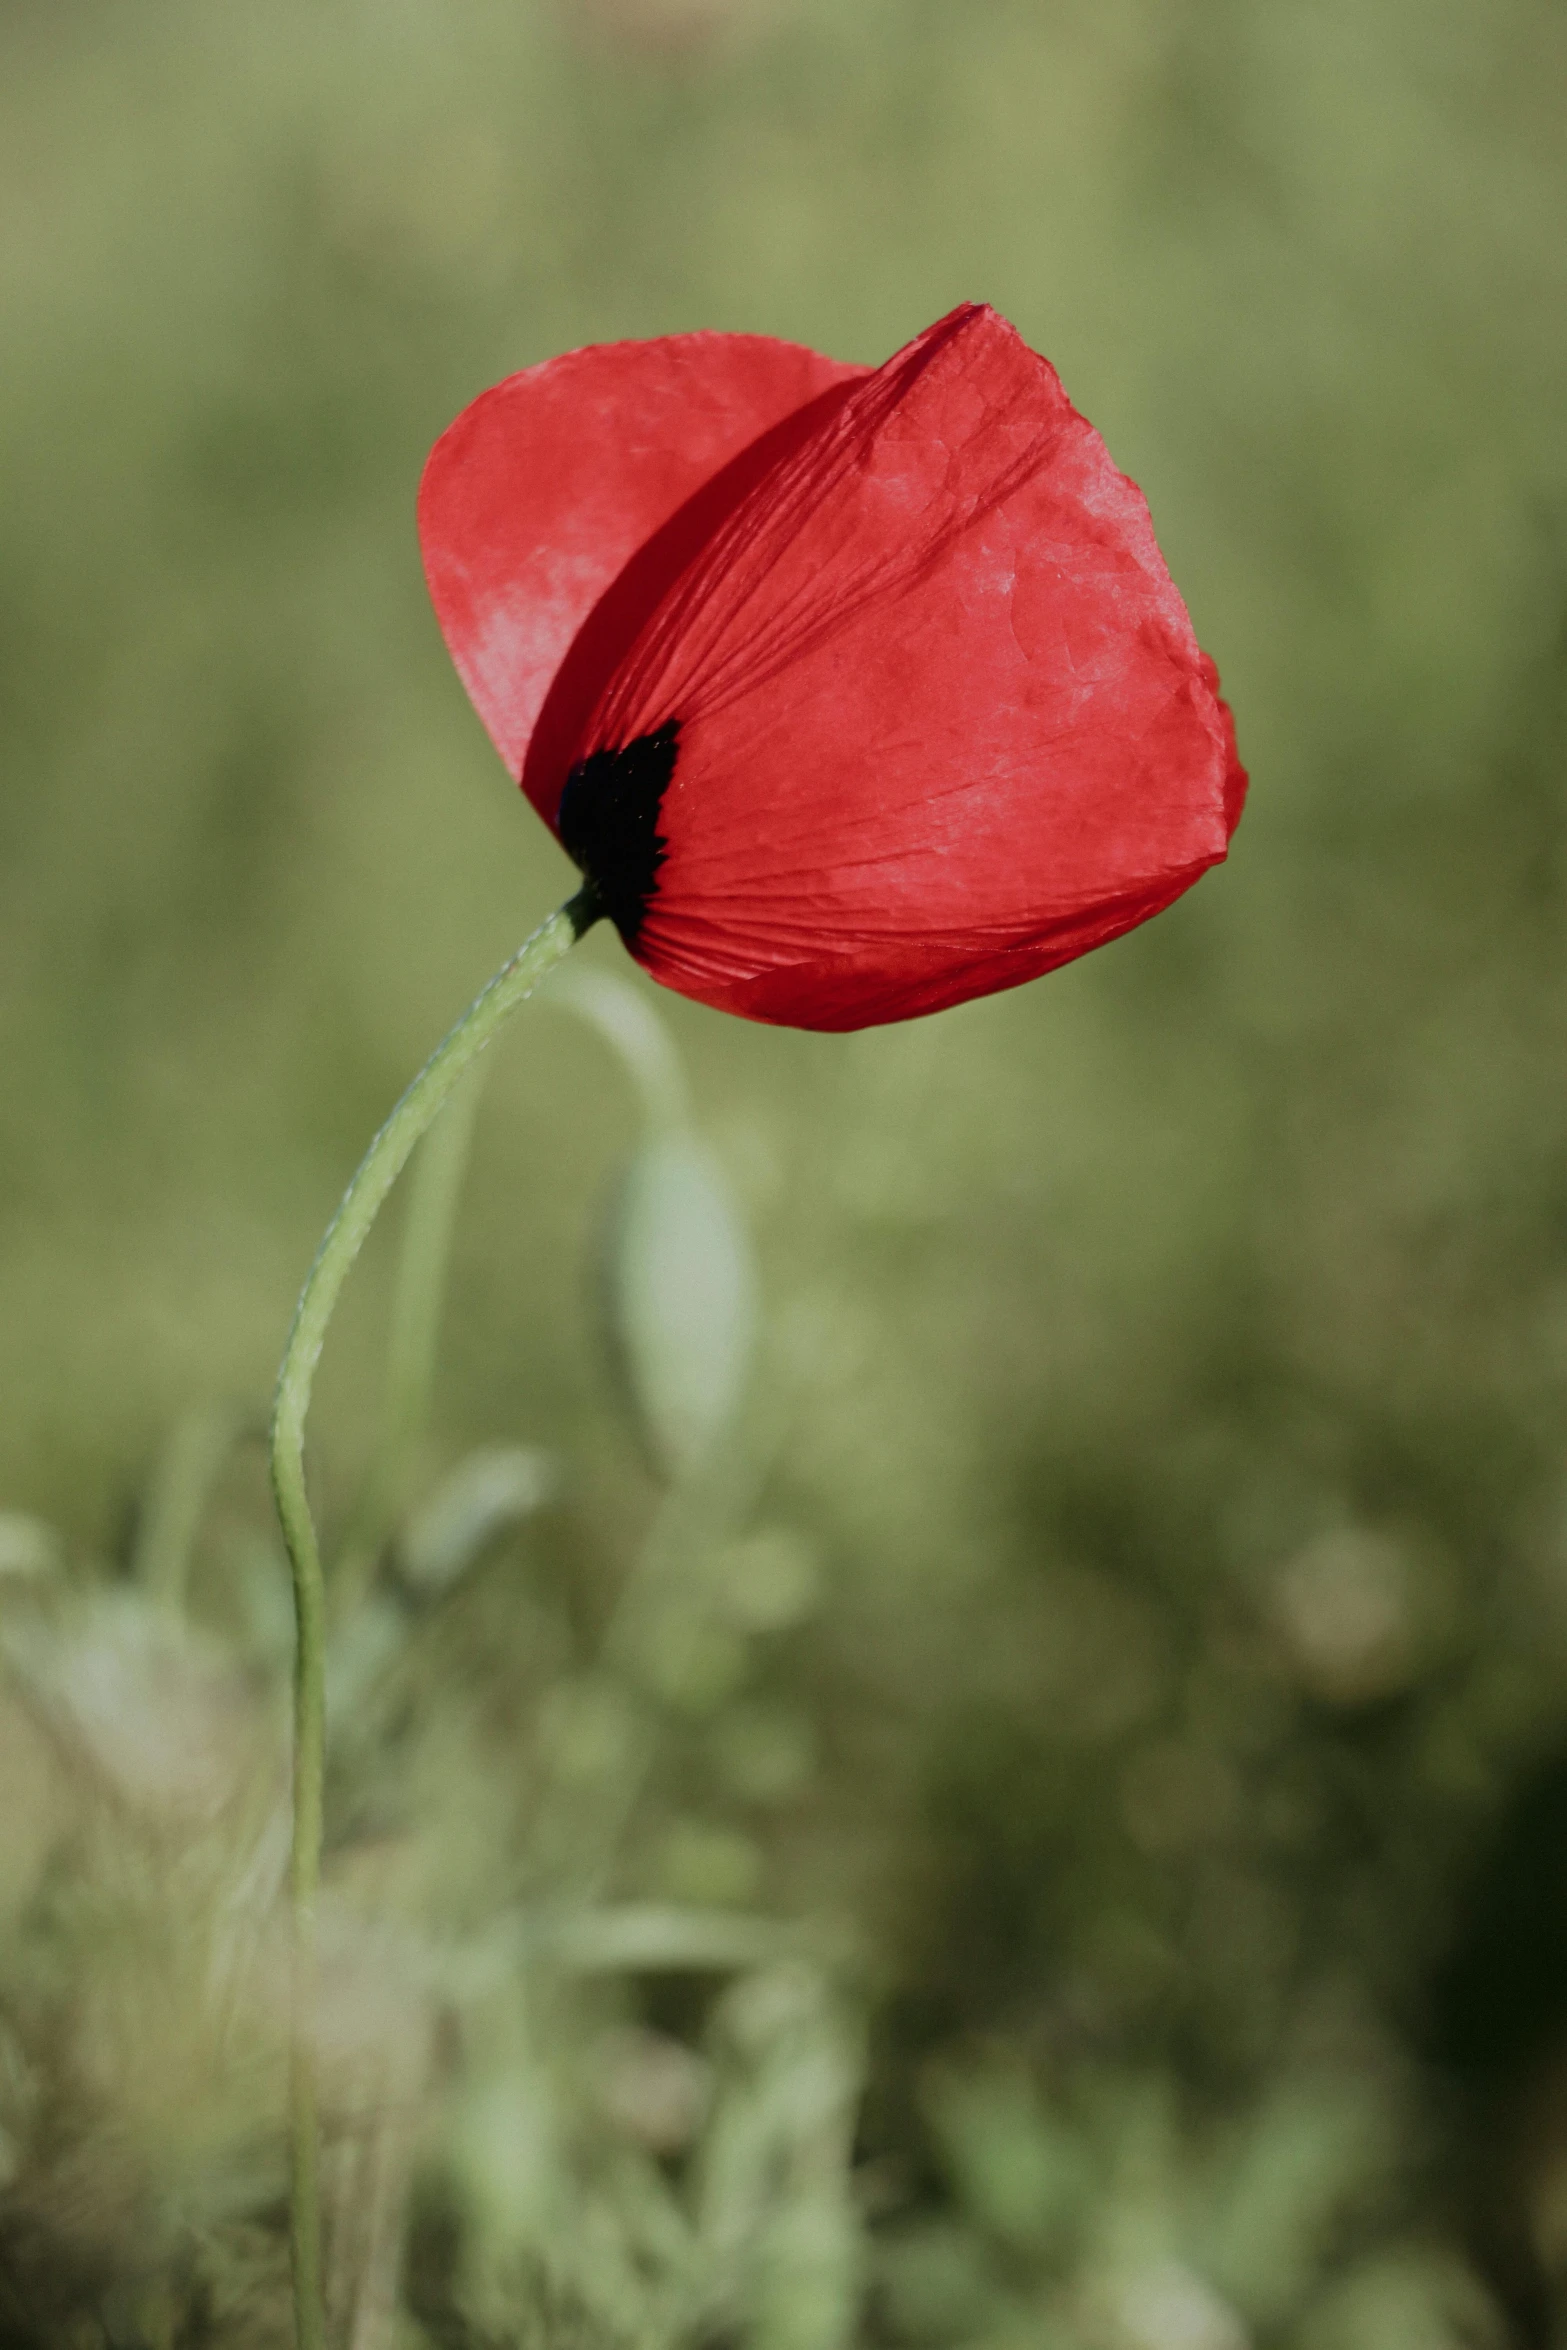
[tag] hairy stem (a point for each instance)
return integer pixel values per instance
(430, 1218)
(379, 1169)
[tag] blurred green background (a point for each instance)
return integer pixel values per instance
(1174, 1387)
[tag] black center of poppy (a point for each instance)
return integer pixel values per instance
(608, 822)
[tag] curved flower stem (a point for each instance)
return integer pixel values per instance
(379, 1169)
(429, 1223)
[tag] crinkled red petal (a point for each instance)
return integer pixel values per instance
(537, 500)
(943, 722)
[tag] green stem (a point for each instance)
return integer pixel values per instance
(181, 1490)
(434, 1189)
(580, 1827)
(379, 1169)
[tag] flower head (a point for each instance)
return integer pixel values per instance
(854, 692)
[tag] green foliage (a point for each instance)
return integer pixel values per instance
(513, 2149)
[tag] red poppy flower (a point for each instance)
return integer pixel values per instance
(853, 692)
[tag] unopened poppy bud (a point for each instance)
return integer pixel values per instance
(680, 1294)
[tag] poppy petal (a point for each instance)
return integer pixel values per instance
(854, 693)
(601, 470)
(940, 719)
